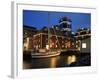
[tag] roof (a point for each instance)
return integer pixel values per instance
(29, 27)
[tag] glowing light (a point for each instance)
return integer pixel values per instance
(83, 45)
(26, 44)
(53, 62)
(47, 47)
(71, 59)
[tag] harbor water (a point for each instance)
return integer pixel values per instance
(63, 60)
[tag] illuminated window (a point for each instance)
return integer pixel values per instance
(56, 46)
(76, 41)
(47, 47)
(50, 45)
(62, 45)
(72, 43)
(76, 46)
(83, 45)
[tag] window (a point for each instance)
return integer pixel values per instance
(63, 46)
(47, 47)
(76, 46)
(73, 43)
(56, 46)
(83, 45)
(50, 45)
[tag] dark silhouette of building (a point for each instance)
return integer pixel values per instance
(66, 26)
(28, 32)
(83, 40)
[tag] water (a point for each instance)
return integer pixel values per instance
(71, 60)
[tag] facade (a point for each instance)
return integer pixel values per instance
(54, 41)
(66, 26)
(57, 37)
(86, 45)
(28, 33)
(83, 40)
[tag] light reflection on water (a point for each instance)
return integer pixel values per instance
(71, 59)
(52, 62)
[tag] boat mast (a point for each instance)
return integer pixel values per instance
(57, 39)
(48, 31)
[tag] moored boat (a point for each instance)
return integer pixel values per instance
(45, 54)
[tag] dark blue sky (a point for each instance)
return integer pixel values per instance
(39, 19)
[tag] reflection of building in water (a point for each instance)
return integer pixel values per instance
(83, 40)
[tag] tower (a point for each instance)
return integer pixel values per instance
(66, 26)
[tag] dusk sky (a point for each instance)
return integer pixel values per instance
(39, 19)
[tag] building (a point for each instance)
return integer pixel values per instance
(28, 33)
(56, 37)
(66, 26)
(83, 40)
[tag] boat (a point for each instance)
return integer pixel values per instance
(45, 54)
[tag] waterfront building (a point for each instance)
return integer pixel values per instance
(28, 33)
(56, 37)
(66, 26)
(83, 40)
